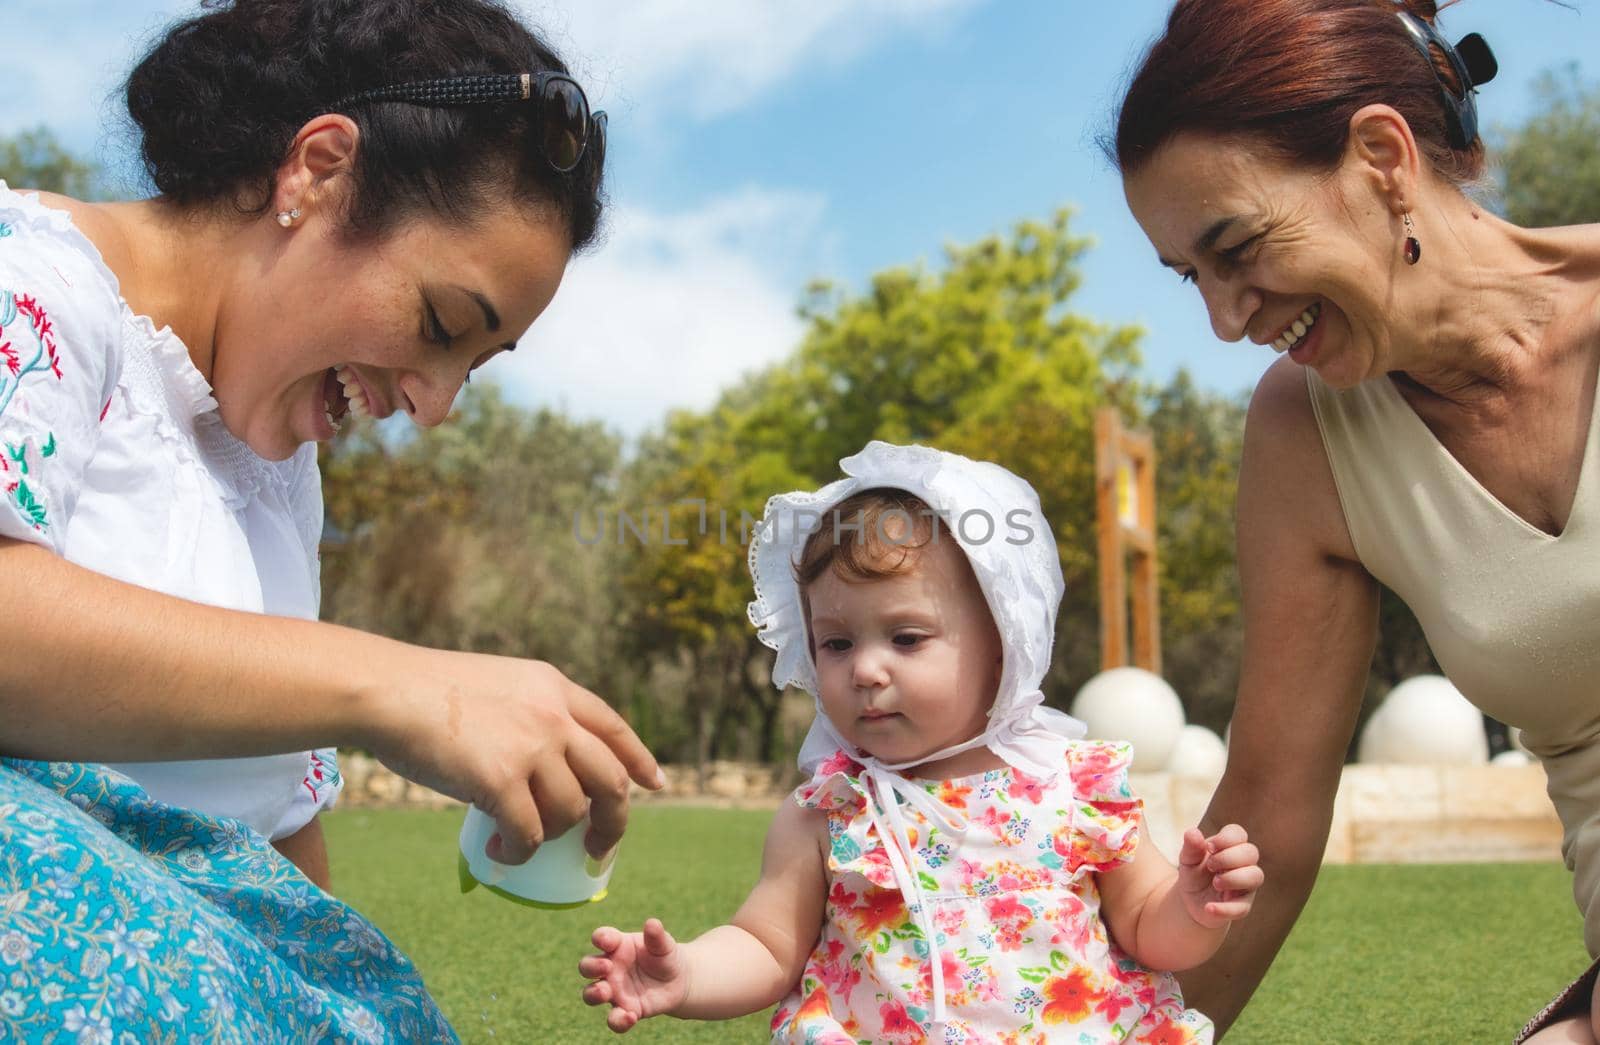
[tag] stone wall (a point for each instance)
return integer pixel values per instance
(1383, 814)
(1399, 814)
(371, 785)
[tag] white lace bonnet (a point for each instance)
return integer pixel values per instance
(997, 519)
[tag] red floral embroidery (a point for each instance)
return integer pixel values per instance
(42, 328)
(44, 357)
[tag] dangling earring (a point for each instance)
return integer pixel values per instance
(288, 217)
(1413, 249)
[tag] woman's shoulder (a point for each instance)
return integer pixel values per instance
(1286, 481)
(97, 225)
(57, 246)
(1280, 406)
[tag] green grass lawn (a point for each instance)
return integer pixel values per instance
(1460, 953)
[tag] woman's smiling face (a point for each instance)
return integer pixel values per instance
(329, 327)
(1298, 260)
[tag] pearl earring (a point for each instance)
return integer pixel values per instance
(288, 217)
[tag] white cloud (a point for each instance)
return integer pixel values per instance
(702, 58)
(710, 57)
(72, 81)
(679, 302)
(670, 310)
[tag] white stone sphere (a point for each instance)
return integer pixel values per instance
(1134, 705)
(1511, 757)
(1198, 752)
(1425, 721)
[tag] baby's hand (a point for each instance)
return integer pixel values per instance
(638, 974)
(1218, 876)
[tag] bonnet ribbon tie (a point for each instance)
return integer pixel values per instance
(1031, 738)
(885, 788)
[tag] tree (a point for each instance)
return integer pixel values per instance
(463, 537)
(1549, 168)
(1198, 439)
(526, 533)
(34, 159)
(982, 357)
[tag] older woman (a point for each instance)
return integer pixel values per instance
(361, 201)
(1429, 425)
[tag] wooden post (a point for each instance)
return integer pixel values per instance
(1113, 593)
(1125, 510)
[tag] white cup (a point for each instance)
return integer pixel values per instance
(559, 874)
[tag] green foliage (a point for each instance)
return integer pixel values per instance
(528, 534)
(1350, 972)
(508, 974)
(981, 357)
(35, 159)
(1550, 166)
(461, 536)
(1198, 438)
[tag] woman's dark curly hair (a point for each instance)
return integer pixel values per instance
(220, 98)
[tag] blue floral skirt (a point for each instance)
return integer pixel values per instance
(123, 919)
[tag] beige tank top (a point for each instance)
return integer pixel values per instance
(1512, 613)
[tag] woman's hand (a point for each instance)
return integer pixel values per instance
(514, 737)
(1218, 876)
(638, 974)
(517, 739)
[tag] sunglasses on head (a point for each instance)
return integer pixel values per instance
(1473, 63)
(566, 128)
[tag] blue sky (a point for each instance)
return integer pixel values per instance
(756, 145)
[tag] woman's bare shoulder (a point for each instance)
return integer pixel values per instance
(1285, 479)
(1281, 402)
(100, 223)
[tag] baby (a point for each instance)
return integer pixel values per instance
(960, 867)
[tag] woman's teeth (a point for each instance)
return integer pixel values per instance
(1298, 329)
(352, 391)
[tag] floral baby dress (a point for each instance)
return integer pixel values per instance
(1004, 868)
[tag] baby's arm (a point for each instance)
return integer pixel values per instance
(1172, 919)
(734, 969)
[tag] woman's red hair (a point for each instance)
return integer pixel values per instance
(1289, 74)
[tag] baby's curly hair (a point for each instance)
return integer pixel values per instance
(870, 535)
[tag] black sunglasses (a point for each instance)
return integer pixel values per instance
(567, 130)
(1474, 64)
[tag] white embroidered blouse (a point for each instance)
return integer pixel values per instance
(114, 457)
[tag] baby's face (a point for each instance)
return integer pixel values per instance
(907, 665)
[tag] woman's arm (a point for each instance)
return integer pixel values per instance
(1310, 620)
(735, 969)
(117, 673)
